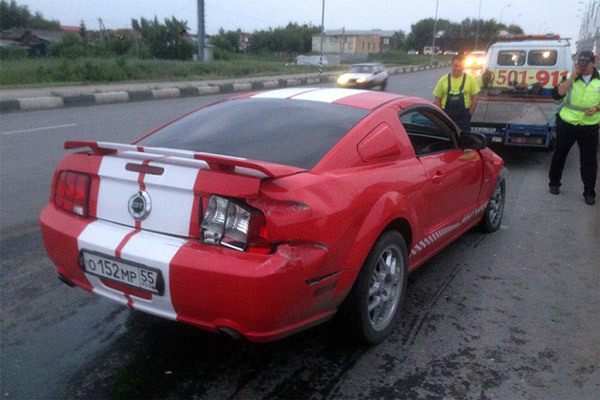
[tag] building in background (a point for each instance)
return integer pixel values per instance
(589, 32)
(355, 44)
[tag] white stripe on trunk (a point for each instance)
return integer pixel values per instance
(172, 198)
(117, 185)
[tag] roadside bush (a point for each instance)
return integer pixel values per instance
(61, 70)
(70, 46)
(12, 53)
(221, 54)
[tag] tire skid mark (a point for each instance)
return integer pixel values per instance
(333, 383)
(431, 301)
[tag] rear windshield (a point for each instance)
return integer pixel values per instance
(514, 58)
(292, 132)
(541, 57)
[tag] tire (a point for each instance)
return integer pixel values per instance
(383, 274)
(492, 217)
(384, 85)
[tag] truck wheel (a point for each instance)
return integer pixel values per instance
(492, 217)
(374, 303)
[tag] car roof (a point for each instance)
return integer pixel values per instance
(366, 99)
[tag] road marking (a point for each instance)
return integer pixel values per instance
(39, 129)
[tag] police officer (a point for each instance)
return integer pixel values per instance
(578, 121)
(456, 93)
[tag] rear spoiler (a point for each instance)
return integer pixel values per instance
(217, 162)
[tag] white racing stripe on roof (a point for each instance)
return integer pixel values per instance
(283, 93)
(328, 95)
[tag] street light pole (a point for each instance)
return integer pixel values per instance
(437, 3)
(322, 33)
(201, 30)
(502, 10)
(477, 29)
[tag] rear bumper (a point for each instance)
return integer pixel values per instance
(262, 296)
(518, 135)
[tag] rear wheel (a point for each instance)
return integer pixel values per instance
(374, 303)
(384, 85)
(492, 218)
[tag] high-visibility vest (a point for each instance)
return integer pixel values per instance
(579, 98)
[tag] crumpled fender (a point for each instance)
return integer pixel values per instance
(390, 206)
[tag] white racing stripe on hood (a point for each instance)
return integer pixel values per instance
(328, 95)
(104, 238)
(155, 251)
(282, 93)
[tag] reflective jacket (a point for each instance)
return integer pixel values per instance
(579, 98)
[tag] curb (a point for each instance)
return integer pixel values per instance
(233, 86)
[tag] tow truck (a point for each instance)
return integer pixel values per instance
(515, 105)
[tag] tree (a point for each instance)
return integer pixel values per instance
(401, 40)
(13, 15)
(71, 46)
(456, 36)
(82, 30)
(292, 39)
(165, 40)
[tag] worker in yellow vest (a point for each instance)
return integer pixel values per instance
(578, 121)
(457, 94)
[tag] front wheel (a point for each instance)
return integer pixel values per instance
(492, 218)
(376, 298)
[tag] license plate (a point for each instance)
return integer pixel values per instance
(496, 139)
(129, 273)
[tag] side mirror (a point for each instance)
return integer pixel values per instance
(470, 140)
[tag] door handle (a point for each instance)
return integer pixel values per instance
(438, 177)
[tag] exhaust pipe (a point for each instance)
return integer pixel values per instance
(235, 335)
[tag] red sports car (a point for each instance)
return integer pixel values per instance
(265, 213)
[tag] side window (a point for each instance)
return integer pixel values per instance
(542, 57)
(513, 58)
(428, 132)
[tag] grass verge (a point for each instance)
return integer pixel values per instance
(51, 71)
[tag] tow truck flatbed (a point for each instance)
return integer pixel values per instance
(516, 121)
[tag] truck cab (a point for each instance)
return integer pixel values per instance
(516, 106)
(531, 64)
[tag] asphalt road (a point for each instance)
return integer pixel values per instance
(510, 315)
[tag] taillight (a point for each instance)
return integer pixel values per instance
(236, 225)
(72, 192)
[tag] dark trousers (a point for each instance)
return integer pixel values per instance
(586, 137)
(463, 120)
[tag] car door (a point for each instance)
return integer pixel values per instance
(454, 174)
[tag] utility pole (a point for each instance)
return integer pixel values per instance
(437, 3)
(322, 33)
(201, 30)
(102, 28)
(477, 29)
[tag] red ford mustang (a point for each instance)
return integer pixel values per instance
(264, 214)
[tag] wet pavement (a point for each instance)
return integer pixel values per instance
(510, 315)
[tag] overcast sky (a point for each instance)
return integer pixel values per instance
(534, 16)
